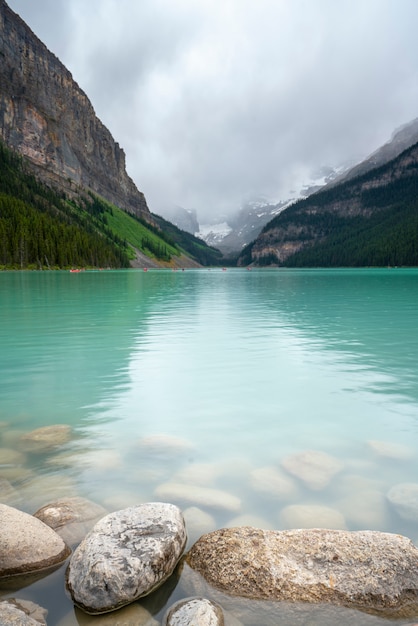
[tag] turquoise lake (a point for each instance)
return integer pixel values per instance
(211, 389)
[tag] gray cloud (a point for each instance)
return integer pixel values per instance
(215, 100)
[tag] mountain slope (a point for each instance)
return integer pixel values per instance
(370, 220)
(402, 139)
(67, 200)
(45, 116)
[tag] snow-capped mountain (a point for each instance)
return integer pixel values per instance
(230, 234)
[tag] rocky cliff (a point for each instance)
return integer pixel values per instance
(45, 116)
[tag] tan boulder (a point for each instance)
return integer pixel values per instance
(27, 545)
(368, 570)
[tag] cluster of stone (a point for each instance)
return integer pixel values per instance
(129, 553)
(115, 559)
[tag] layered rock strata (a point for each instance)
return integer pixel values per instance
(46, 117)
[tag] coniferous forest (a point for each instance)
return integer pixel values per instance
(382, 230)
(41, 228)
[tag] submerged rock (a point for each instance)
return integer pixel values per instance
(71, 518)
(198, 523)
(391, 450)
(10, 457)
(203, 474)
(202, 496)
(311, 516)
(365, 509)
(194, 612)
(46, 438)
(27, 545)
(272, 482)
(132, 615)
(165, 445)
(248, 520)
(8, 494)
(366, 570)
(41, 488)
(404, 499)
(125, 556)
(21, 613)
(313, 467)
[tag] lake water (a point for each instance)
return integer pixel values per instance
(175, 383)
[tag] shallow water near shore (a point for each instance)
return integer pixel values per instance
(208, 388)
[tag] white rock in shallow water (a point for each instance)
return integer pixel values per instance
(391, 450)
(71, 518)
(125, 556)
(198, 474)
(194, 612)
(166, 445)
(365, 509)
(27, 545)
(249, 520)
(313, 467)
(198, 523)
(273, 482)
(404, 498)
(311, 516)
(202, 496)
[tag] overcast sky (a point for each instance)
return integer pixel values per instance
(215, 100)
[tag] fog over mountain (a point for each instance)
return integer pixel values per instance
(216, 101)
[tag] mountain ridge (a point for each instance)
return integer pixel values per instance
(45, 116)
(354, 213)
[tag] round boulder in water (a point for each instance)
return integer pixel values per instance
(195, 612)
(27, 545)
(125, 556)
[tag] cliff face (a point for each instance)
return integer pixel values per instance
(45, 116)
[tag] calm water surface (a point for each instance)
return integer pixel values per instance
(239, 371)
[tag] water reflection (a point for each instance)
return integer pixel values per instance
(238, 371)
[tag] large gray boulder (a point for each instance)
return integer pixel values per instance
(194, 612)
(27, 545)
(125, 556)
(368, 570)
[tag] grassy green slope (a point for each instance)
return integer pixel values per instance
(40, 228)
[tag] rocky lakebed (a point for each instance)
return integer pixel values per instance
(114, 558)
